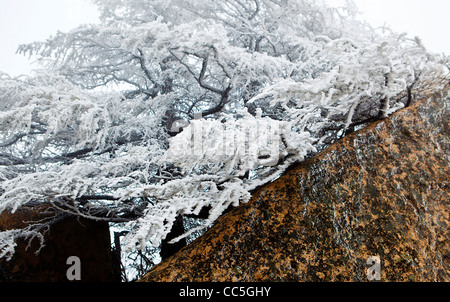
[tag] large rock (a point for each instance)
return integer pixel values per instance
(88, 240)
(383, 192)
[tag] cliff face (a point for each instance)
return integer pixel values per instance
(383, 192)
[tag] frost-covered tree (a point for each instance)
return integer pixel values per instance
(176, 108)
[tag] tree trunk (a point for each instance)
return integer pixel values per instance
(69, 236)
(169, 249)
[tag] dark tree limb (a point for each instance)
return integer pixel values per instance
(169, 249)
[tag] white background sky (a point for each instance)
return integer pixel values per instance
(24, 21)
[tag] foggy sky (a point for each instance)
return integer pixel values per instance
(25, 21)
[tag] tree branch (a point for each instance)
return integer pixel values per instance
(200, 78)
(223, 101)
(142, 63)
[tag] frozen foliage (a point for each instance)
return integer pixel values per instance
(233, 147)
(169, 108)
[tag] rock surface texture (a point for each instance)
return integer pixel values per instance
(382, 191)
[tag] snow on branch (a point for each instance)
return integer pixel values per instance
(9, 238)
(96, 133)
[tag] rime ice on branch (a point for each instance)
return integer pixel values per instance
(275, 82)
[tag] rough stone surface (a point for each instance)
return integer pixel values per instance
(383, 191)
(88, 240)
